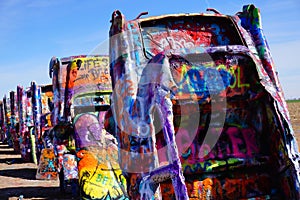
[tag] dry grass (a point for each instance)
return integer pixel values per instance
(294, 110)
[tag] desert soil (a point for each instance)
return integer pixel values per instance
(294, 110)
(18, 178)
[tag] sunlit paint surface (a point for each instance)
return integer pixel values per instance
(92, 76)
(159, 61)
(84, 88)
(46, 114)
(54, 68)
(70, 167)
(6, 127)
(48, 161)
(47, 168)
(2, 135)
(14, 120)
(36, 116)
(251, 21)
(24, 136)
(100, 174)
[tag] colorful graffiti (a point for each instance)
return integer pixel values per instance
(70, 167)
(46, 110)
(46, 99)
(6, 128)
(186, 106)
(36, 116)
(2, 134)
(200, 78)
(91, 76)
(47, 169)
(100, 175)
(134, 128)
(99, 172)
(188, 32)
(24, 139)
(54, 68)
(14, 122)
(82, 90)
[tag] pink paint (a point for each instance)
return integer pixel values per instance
(250, 140)
(236, 141)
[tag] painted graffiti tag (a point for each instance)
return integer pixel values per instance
(92, 75)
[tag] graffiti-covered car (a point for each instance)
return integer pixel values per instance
(24, 110)
(2, 133)
(82, 89)
(11, 121)
(14, 121)
(198, 109)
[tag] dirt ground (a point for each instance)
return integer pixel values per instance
(294, 110)
(18, 178)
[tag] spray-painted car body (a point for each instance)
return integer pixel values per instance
(14, 121)
(82, 88)
(200, 92)
(28, 104)
(5, 121)
(11, 120)
(47, 167)
(36, 116)
(23, 107)
(2, 133)
(46, 110)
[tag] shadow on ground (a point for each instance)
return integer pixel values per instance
(25, 173)
(9, 152)
(43, 193)
(12, 160)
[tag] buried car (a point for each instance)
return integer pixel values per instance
(87, 153)
(198, 108)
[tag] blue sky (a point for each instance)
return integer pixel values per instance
(32, 31)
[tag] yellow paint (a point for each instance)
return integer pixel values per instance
(99, 173)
